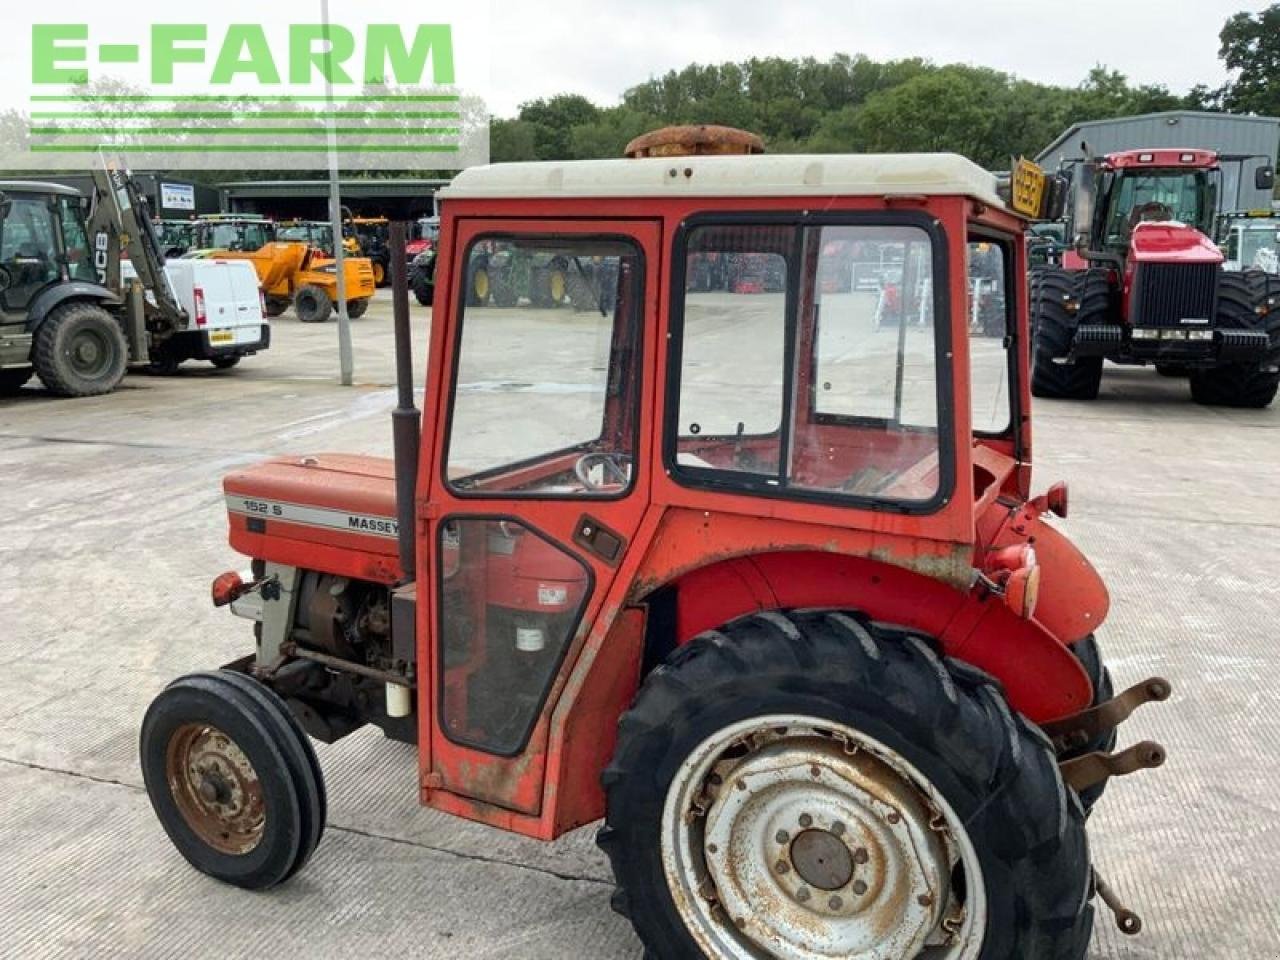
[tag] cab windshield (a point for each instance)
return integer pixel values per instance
(233, 236)
(1187, 196)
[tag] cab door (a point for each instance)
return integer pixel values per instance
(540, 480)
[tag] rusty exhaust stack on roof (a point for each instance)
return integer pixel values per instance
(694, 140)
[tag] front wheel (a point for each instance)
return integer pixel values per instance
(80, 351)
(810, 785)
(232, 778)
(312, 304)
(357, 308)
(225, 363)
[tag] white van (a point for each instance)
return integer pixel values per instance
(225, 319)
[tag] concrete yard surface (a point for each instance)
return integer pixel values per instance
(114, 524)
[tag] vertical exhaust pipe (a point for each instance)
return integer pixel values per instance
(406, 422)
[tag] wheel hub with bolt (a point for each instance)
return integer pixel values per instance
(215, 788)
(807, 842)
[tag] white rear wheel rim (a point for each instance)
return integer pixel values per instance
(796, 837)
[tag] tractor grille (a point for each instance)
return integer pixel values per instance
(1174, 294)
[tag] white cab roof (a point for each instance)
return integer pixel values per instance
(770, 175)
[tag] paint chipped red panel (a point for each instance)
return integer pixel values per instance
(329, 551)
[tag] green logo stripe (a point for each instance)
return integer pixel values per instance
(233, 115)
(247, 148)
(248, 131)
(259, 98)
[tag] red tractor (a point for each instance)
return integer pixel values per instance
(1145, 284)
(760, 585)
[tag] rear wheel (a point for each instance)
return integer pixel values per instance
(232, 779)
(80, 351)
(379, 274)
(225, 363)
(11, 381)
(811, 784)
(357, 308)
(312, 304)
(1054, 374)
(1244, 303)
(423, 289)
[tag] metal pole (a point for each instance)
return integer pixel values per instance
(345, 363)
(405, 421)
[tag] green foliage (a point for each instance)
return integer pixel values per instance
(1251, 50)
(847, 103)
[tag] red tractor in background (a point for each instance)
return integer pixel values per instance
(759, 584)
(1144, 283)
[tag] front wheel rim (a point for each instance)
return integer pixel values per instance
(215, 788)
(804, 839)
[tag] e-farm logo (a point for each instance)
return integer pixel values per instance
(244, 95)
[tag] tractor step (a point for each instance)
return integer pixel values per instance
(1073, 732)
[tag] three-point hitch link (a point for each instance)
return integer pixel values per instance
(1090, 769)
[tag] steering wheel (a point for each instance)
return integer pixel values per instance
(615, 463)
(1154, 210)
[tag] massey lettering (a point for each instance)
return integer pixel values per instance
(372, 525)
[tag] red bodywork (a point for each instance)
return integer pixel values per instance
(721, 554)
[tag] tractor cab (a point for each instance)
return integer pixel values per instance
(725, 554)
(1250, 240)
(234, 232)
(43, 242)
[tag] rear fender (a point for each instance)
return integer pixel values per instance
(1042, 678)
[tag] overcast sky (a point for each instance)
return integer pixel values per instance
(602, 47)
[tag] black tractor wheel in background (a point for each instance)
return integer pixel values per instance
(357, 308)
(276, 306)
(1053, 374)
(11, 381)
(1246, 301)
(423, 289)
(232, 778)
(80, 351)
(502, 287)
(225, 363)
(1089, 654)
(761, 715)
(312, 304)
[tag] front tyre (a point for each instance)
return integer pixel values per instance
(80, 351)
(809, 784)
(232, 778)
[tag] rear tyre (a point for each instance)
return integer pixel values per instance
(11, 381)
(423, 289)
(312, 304)
(1054, 375)
(379, 274)
(1089, 654)
(1245, 302)
(747, 811)
(232, 779)
(80, 351)
(225, 363)
(357, 308)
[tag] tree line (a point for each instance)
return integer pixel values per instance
(856, 104)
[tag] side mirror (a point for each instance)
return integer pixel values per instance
(1264, 178)
(5, 205)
